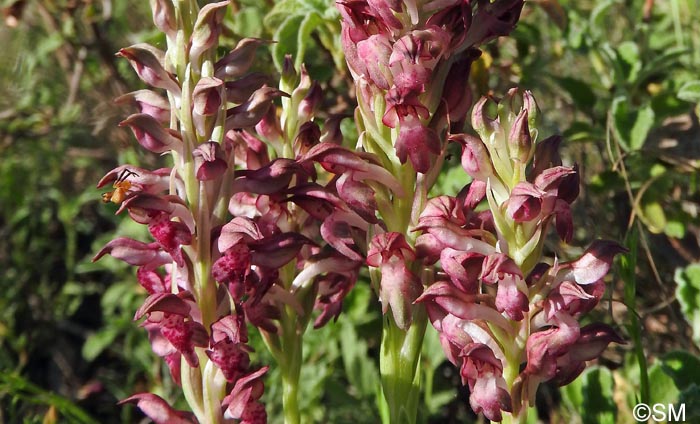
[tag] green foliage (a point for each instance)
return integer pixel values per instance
(631, 125)
(591, 396)
(627, 270)
(303, 29)
(339, 377)
(22, 394)
(58, 136)
(664, 390)
(683, 367)
(688, 294)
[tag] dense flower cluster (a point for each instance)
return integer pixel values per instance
(496, 303)
(265, 216)
(242, 233)
(410, 61)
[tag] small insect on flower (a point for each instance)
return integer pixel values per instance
(121, 186)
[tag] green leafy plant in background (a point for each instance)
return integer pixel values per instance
(301, 26)
(58, 76)
(22, 392)
(688, 295)
(641, 71)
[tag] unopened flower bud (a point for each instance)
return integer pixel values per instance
(310, 103)
(288, 77)
(417, 143)
(239, 60)
(476, 160)
(269, 128)
(481, 123)
(148, 61)
(303, 86)
(240, 90)
(150, 134)
(508, 106)
(148, 102)
(164, 17)
(209, 161)
(252, 111)
(519, 139)
(205, 34)
(207, 99)
(530, 105)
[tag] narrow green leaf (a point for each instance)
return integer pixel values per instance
(621, 122)
(644, 121)
(98, 342)
(663, 61)
(627, 266)
(631, 126)
(628, 54)
(598, 25)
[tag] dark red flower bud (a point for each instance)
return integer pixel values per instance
(239, 60)
(151, 135)
(148, 61)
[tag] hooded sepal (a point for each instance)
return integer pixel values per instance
(148, 61)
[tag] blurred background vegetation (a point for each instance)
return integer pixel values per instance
(619, 78)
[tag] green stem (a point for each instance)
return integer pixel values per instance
(515, 419)
(399, 360)
(290, 366)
